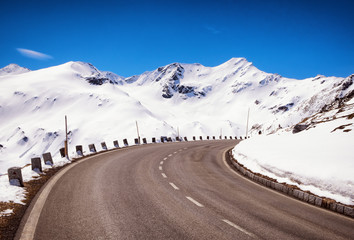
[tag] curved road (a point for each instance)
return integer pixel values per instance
(176, 191)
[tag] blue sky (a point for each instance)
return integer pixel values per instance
(296, 39)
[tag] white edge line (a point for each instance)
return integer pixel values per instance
(194, 201)
(174, 186)
(238, 228)
(161, 162)
(160, 168)
(165, 158)
(164, 175)
(30, 226)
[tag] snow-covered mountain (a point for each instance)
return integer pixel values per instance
(95, 77)
(190, 99)
(233, 87)
(13, 69)
(33, 106)
(198, 100)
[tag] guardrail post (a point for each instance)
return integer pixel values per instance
(62, 152)
(115, 144)
(186, 139)
(208, 137)
(200, 137)
(47, 158)
(15, 176)
(36, 164)
(193, 138)
(136, 141)
(125, 142)
(103, 145)
(225, 137)
(144, 141)
(79, 151)
(235, 137)
(153, 140)
(213, 137)
(92, 148)
(169, 139)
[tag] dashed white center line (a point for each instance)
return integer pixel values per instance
(165, 158)
(160, 168)
(164, 175)
(170, 155)
(175, 152)
(174, 186)
(194, 201)
(238, 228)
(161, 162)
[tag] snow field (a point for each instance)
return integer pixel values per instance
(316, 160)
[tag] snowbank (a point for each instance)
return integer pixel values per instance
(317, 160)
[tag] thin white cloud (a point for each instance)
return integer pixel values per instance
(33, 54)
(212, 29)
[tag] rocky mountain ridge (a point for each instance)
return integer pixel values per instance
(276, 102)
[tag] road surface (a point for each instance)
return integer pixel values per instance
(176, 191)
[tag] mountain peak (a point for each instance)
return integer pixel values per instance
(235, 61)
(13, 69)
(85, 69)
(92, 75)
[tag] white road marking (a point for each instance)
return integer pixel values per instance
(174, 186)
(185, 148)
(165, 158)
(175, 152)
(164, 175)
(194, 201)
(32, 220)
(160, 168)
(161, 162)
(170, 155)
(238, 228)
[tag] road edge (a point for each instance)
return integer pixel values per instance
(289, 190)
(27, 227)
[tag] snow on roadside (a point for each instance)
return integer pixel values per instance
(319, 160)
(17, 194)
(6, 212)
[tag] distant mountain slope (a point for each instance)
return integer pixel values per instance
(275, 102)
(13, 69)
(33, 106)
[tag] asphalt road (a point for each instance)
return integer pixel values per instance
(176, 191)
